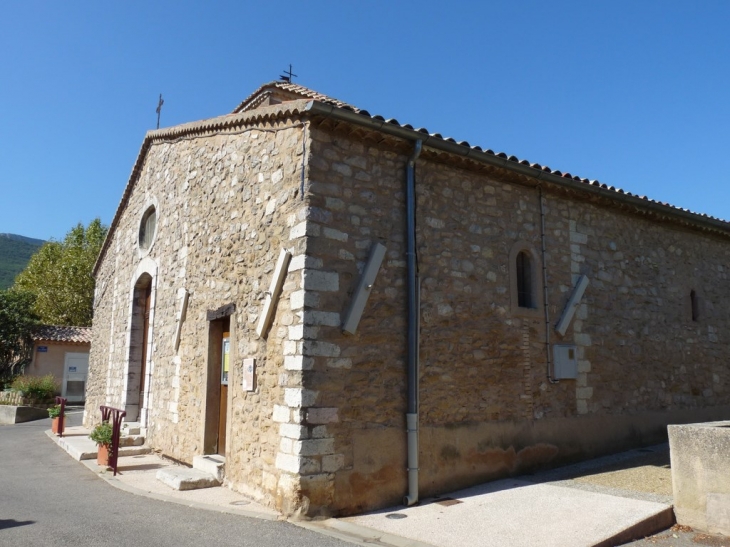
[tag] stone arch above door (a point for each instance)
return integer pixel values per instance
(140, 361)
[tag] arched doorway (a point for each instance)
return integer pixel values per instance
(139, 348)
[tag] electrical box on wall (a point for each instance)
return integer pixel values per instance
(565, 362)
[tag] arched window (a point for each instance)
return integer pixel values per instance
(148, 228)
(525, 289)
(525, 284)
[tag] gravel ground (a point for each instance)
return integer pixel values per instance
(639, 474)
(682, 536)
(649, 473)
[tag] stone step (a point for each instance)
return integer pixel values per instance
(215, 464)
(83, 448)
(126, 451)
(79, 447)
(131, 440)
(185, 478)
(131, 428)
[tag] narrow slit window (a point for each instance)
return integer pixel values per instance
(695, 305)
(525, 289)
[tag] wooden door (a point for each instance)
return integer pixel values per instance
(216, 398)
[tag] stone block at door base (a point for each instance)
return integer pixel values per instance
(213, 464)
(183, 478)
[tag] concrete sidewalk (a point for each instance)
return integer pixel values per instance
(557, 508)
(137, 474)
(519, 513)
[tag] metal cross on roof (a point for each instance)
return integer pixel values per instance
(159, 109)
(288, 75)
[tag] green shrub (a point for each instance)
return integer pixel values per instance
(102, 434)
(36, 388)
(6, 382)
(54, 411)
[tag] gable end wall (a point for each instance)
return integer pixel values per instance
(227, 204)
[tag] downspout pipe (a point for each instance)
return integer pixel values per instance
(413, 320)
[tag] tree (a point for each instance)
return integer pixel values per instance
(59, 275)
(17, 321)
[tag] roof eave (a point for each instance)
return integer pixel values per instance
(435, 142)
(438, 143)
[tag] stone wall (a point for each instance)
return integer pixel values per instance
(487, 406)
(15, 398)
(226, 205)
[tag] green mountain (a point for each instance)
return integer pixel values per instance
(15, 252)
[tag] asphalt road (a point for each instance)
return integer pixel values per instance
(47, 498)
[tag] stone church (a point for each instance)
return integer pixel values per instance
(356, 313)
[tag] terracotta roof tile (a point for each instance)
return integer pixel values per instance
(253, 100)
(53, 333)
(303, 91)
(297, 100)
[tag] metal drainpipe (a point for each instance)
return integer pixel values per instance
(545, 289)
(413, 317)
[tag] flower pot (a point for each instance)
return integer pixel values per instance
(102, 456)
(57, 425)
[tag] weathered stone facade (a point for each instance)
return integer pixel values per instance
(225, 203)
(324, 429)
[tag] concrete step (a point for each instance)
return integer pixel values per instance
(215, 464)
(185, 478)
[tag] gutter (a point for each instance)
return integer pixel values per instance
(413, 330)
(463, 150)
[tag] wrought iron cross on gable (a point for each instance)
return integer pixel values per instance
(159, 109)
(288, 75)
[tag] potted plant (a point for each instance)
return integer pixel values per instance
(102, 436)
(54, 413)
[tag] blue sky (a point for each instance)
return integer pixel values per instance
(634, 94)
